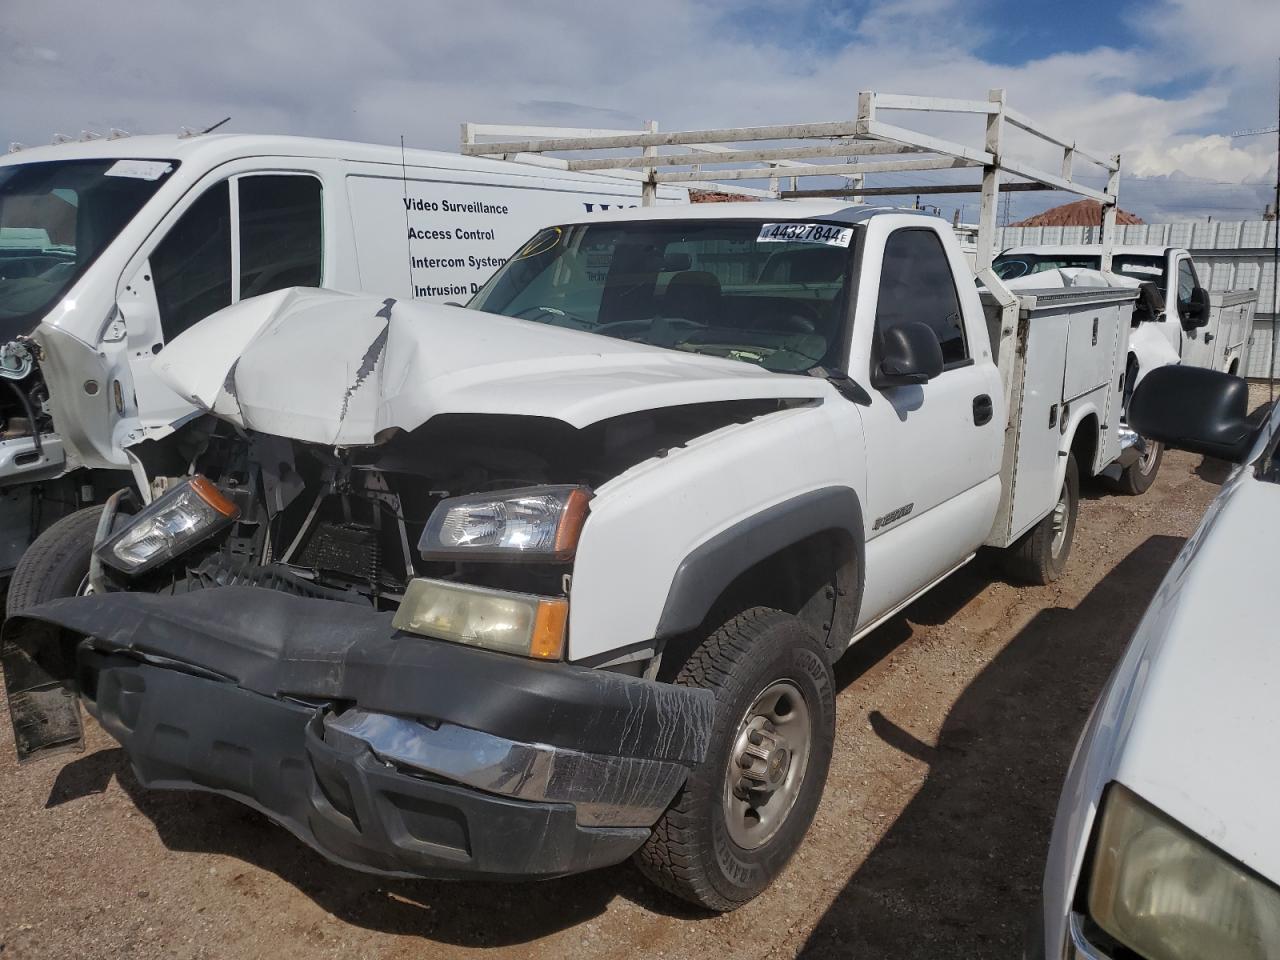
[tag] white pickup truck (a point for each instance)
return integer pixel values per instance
(531, 587)
(1204, 329)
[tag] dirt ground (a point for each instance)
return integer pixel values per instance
(956, 723)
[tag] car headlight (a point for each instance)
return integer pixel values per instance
(1166, 894)
(534, 523)
(500, 620)
(168, 526)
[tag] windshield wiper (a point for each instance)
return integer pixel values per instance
(845, 385)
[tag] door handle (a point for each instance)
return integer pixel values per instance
(982, 409)
(1208, 337)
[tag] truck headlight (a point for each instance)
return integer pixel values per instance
(1166, 894)
(533, 523)
(500, 620)
(171, 524)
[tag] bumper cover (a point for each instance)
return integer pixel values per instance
(384, 751)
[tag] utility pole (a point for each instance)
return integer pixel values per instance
(1275, 219)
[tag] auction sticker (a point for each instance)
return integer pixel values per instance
(139, 169)
(805, 233)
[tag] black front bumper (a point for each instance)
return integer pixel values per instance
(231, 690)
(184, 732)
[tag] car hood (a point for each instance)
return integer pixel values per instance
(1199, 730)
(342, 369)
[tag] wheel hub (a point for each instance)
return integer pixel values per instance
(767, 764)
(764, 758)
(1061, 514)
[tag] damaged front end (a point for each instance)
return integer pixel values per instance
(385, 751)
(345, 601)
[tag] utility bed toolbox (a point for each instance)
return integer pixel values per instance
(1067, 346)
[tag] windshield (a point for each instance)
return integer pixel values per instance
(767, 293)
(55, 218)
(1010, 266)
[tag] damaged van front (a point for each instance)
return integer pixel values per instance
(58, 217)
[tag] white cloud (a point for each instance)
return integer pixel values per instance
(376, 71)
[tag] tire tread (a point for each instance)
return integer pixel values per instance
(52, 561)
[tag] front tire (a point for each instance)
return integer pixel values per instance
(744, 810)
(1137, 478)
(1040, 555)
(57, 564)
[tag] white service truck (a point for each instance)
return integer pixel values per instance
(111, 247)
(529, 587)
(1203, 328)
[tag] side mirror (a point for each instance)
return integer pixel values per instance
(1195, 314)
(909, 354)
(1195, 409)
(1150, 303)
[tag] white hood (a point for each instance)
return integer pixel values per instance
(1198, 732)
(340, 369)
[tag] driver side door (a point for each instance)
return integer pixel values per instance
(933, 449)
(1197, 343)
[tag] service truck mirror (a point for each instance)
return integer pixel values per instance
(1150, 304)
(909, 353)
(1196, 312)
(1195, 409)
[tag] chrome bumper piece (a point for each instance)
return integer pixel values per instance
(605, 791)
(1080, 948)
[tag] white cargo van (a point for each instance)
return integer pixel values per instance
(110, 248)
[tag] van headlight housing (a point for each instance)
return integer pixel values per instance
(169, 526)
(1167, 894)
(532, 523)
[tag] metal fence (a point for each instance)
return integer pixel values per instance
(1235, 255)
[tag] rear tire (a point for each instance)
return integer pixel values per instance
(1137, 478)
(744, 810)
(56, 564)
(1040, 555)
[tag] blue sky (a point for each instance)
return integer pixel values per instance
(1160, 81)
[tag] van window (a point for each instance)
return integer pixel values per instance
(191, 266)
(280, 233)
(916, 284)
(56, 217)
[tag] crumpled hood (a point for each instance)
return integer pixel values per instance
(339, 369)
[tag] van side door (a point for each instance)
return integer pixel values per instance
(233, 236)
(933, 450)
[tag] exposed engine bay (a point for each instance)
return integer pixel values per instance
(24, 398)
(344, 523)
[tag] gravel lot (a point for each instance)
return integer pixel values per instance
(956, 722)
